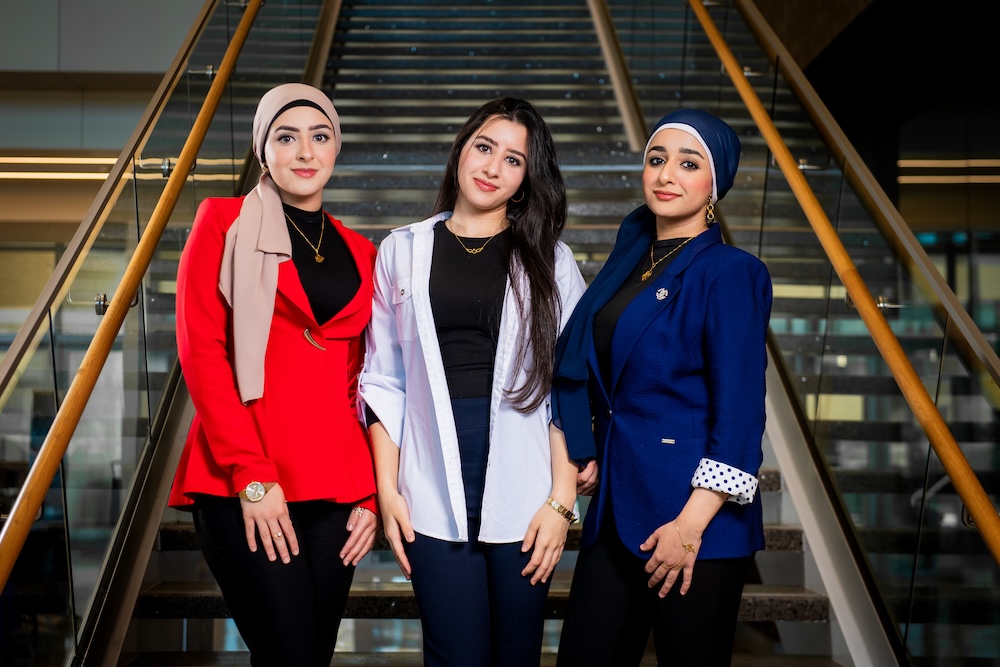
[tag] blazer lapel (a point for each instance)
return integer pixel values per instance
(639, 314)
(290, 286)
(353, 317)
(651, 302)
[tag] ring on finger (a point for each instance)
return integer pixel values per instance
(360, 511)
(278, 535)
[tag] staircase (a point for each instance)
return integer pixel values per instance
(404, 77)
(381, 626)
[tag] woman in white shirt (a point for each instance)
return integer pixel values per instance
(476, 488)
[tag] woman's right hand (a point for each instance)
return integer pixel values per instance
(269, 518)
(396, 522)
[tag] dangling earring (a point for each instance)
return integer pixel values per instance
(710, 216)
(518, 201)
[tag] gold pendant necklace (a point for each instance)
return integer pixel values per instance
(322, 226)
(472, 251)
(652, 264)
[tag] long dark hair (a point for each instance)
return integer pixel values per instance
(536, 220)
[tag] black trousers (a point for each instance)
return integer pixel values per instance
(286, 614)
(611, 611)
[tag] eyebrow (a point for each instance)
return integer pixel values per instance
(289, 128)
(685, 151)
(509, 150)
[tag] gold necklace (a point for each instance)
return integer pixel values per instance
(473, 251)
(652, 264)
(322, 226)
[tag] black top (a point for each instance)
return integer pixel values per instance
(607, 317)
(331, 284)
(466, 293)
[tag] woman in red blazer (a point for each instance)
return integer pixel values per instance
(277, 469)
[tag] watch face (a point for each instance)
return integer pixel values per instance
(255, 491)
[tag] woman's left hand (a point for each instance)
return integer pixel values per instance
(587, 478)
(672, 557)
(546, 538)
(363, 525)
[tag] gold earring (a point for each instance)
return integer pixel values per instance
(711, 211)
(518, 201)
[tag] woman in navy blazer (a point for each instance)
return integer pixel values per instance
(659, 389)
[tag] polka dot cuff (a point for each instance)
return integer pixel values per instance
(741, 486)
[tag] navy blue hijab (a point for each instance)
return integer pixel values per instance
(570, 397)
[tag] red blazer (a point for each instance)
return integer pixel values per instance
(304, 432)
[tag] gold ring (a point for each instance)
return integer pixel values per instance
(278, 534)
(360, 511)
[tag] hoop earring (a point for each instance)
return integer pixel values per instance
(518, 201)
(710, 215)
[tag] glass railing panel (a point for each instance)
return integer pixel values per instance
(936, 577)
(99, 464)
(35, 618)
(937, 574)
(969, 260)
(106, 445)
(113, 424)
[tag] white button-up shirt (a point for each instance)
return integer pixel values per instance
(403, 381)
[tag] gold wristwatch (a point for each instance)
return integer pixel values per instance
(255, 491)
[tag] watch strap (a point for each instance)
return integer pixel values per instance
(267, 487)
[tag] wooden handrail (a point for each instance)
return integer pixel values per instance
(969, 342)
(29, 499)
(621, 82)
(969, 488)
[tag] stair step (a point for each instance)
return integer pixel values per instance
(179, 536)
(770, 603)
(415, 659)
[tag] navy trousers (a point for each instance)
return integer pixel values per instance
(476, 610)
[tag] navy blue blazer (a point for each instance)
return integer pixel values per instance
(686, 383)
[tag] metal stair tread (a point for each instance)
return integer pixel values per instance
(202, 599)
(415, 659)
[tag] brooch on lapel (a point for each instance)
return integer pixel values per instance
(662, 294)
(312, 341)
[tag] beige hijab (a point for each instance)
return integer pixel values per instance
(257, 242)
